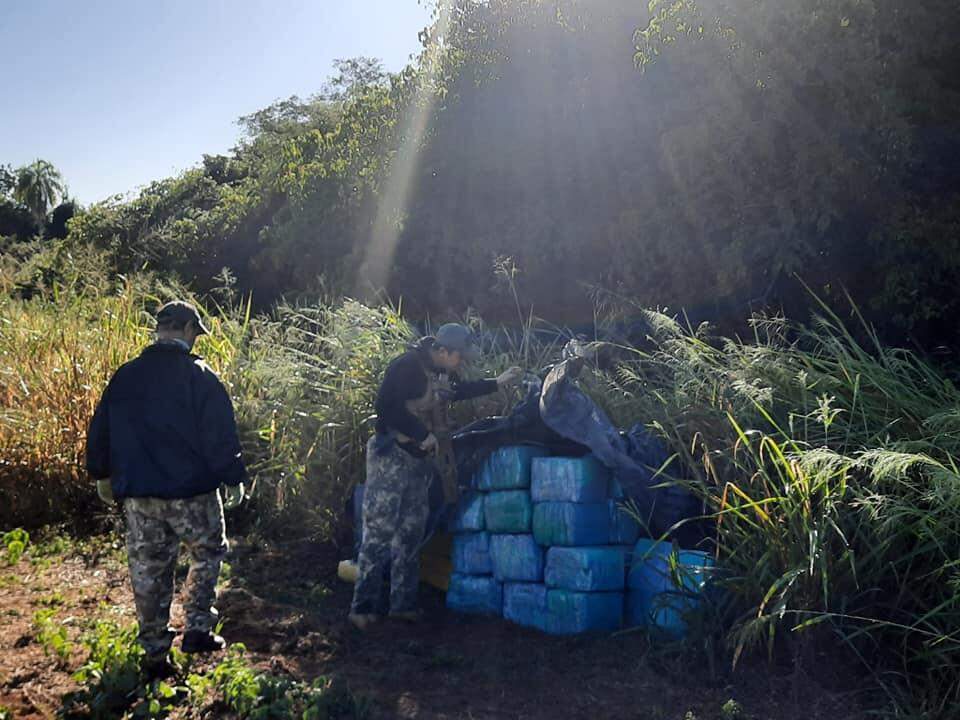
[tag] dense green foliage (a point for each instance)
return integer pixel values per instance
(695, 154)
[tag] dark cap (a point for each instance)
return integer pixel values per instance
(454, 336)
(179, 312)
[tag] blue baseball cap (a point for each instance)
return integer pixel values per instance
(454, 336)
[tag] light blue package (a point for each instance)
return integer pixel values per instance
(588, 569)
(571, 524)
(475, 595)
(508, 511)
(467, 516)
(526, 604)
(508, 468)
(624, 529)
(516, 557)
(559, 479)
(569, 612)
(661, 596)
(471, 554)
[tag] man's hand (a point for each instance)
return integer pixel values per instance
(232, 496)
(430, 445)
(105, 491)
(509, 377)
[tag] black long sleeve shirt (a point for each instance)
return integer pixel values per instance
(405, 380)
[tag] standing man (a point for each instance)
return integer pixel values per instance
(395, 500)
(162, 441)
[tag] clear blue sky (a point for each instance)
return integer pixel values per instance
(117, 93)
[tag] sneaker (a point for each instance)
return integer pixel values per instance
(362, 621)
(197, 641)
(411, 616)
(157, 668)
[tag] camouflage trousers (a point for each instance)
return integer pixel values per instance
(396, 504)
(155, 529)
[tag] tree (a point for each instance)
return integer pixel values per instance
(40, 187)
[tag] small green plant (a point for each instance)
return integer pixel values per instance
(53, 600)
(15, 544)
(260, 696)
(732, 710)
(111, 674)
(52, 635)
(5, 713)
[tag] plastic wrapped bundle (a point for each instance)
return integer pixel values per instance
(508, 468)
(471, 554)
(589, 569)
(526, 604)
(579, 480)
(624, 529)
(508, 511)
(516, 557)
(570, 612)
(660, 596)
(571, 524)
(475, 595)
(468, 514)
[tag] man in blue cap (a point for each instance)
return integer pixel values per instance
(162, 441)
(399, 467)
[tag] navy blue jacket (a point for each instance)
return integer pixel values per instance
(165, 428)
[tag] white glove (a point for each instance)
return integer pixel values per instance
(509, 377)
(430, 445)
(105, 491)
(232, 495)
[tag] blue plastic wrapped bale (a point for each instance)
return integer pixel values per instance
(559, 479)
(526, 604)
(475, 595)
(588, 569)
(616, 489)
(571, 524)
(624, 529)
(516, 557)
(468, 514)
(570, 612)
(663, 597)
(508, 468)
(471, 554)
(508, 511)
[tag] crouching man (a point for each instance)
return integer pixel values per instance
(399, 468)
(162, 441)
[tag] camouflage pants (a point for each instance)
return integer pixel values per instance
(155, 529)
(395, 508)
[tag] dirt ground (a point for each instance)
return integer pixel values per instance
(288, 607)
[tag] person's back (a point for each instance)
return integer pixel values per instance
(170, 428)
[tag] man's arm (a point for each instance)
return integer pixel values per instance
(98, 440)
(476, 388)
(403, 381)
(219, 440)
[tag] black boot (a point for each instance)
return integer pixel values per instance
(196, 641)
(157, 667)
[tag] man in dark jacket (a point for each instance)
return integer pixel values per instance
(395, 498)
(162, 441)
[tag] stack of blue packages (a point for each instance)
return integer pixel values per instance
(547, 538)
(499, 504)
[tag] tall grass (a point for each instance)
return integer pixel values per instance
(828, 464)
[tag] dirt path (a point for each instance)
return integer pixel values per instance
(288, 608)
